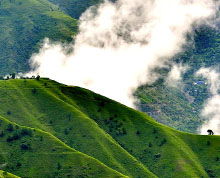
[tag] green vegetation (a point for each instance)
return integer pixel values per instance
(24, 24)
(75, 8)
(180, 108)
(51, 157)
(4, 174)
(63, 129)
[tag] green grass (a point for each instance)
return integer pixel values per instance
(4, 174)
(123, 141)
(34, 153)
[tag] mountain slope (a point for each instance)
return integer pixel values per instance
(24, 24)
(39, 104)
(125, 140)
(181, 107)
(4, 174)
(23, 146)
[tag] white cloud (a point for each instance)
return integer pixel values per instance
(211, 109)
(174, 77)
(120, 43)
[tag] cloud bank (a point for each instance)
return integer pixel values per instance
(119, 44)
(211, 109)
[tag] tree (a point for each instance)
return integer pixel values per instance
(210, 132)
(38, 77)
(13, 75)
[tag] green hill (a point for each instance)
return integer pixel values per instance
(24, 24)
(23, 146)
(119, 140)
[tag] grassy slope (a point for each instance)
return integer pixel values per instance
(122, 138)
(46, 110)
(156, 146)
(24, 24)
(51, 157)
(4, 174)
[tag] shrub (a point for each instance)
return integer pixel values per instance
(25, 131)
(10, 128)
(59, 166)
(2, 134)
(150, 144)
(66, 131)
(24, 146)
(208, 143)
(9, 139)
(158, 155)
(34, 91)
(124, 131)
(9, 112)
(15, 136)
(18, 165)
(163, 142)
(138, 132)
(69, 116)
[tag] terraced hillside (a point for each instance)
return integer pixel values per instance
(63, 129)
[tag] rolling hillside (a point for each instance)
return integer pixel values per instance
(24, 25)
(117, 140)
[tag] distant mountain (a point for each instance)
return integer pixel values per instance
(75, 8)
(70, 131)
(180, 108)
(24, 24)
